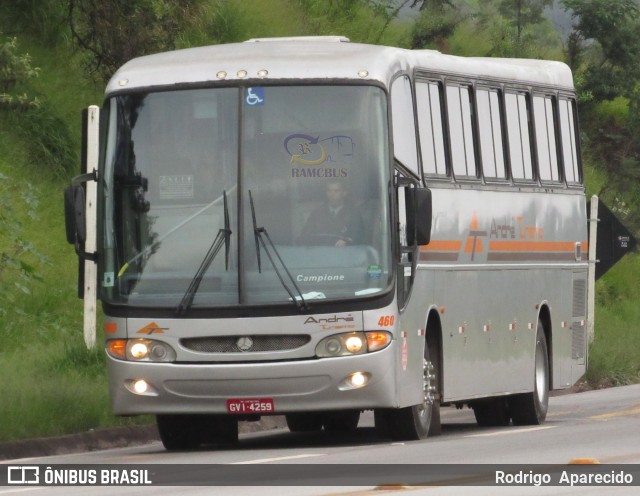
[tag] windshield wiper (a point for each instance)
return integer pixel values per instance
(223, 236)
(258, 233)
(158, 242)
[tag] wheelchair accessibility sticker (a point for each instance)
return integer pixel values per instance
(254, 97)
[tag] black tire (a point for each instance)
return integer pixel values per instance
(531, 408)
(220, 429)
(344, 421)
(185, 432)
(414, 422)
(304, 422)
(492, 412)
(177, 432)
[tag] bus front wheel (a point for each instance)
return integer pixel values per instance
(184, 432)
(415, 422)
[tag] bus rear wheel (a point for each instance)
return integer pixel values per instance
(531, 408)
(493, 412)
(414, 422)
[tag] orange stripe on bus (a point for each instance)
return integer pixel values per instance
(532, 246)
(442, 245)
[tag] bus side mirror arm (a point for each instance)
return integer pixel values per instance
(419, 215)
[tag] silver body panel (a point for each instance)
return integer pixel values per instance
(508, 254)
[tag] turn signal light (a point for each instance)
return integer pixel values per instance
(378, 340)
(117, 348)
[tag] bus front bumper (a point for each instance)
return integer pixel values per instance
(293, 386)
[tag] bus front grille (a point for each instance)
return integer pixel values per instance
(245, 344)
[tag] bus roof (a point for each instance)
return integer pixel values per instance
(321, 58)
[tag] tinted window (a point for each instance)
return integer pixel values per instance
(518, 135)
(568, 134)
(404, 135)
(490, 133)
(461, 130)
(545, 138)
(430, 128)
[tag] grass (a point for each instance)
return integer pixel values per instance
(614, 355)
(51, 383)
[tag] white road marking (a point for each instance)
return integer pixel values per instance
(267, 460)
(506, 432)
(21, 490)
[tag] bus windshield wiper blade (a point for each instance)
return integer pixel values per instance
(223, 236)
(174, 229)
(259, 232)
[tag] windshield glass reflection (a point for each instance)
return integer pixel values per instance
(315, 159)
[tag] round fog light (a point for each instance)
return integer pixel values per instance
(355, 380)
(140, 386)
(358, 379)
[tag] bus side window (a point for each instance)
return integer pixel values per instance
(404, 136)
(545, 138)
(428, 96)
(459, 109)
(490, 133)
(518, 136)
(568, 140)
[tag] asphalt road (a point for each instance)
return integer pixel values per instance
(596, 426)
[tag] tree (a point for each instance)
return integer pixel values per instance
(15, 69)
(615, 28)
(437, 21)
(516, 27)
(607, 40)
(521, 13)
(115, 31)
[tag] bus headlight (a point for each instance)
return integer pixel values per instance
(140, 350)
(352, 343)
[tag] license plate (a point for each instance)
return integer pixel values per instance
(260, 405)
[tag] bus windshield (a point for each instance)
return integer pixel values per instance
(246, 196)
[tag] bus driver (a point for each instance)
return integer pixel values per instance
(336, 222)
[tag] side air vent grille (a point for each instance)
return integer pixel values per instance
(578, 340)
(579, 298)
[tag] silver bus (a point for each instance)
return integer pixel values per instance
(313, 228)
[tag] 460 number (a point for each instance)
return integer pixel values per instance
(386, 320)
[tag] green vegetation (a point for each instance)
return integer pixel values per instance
(50, 69)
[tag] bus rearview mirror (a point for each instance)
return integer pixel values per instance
(74, 215)
(419, 210)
